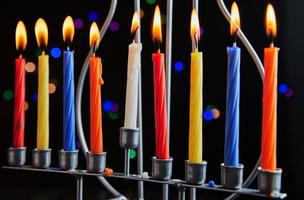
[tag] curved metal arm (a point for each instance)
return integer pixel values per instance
(79, 91)
(260, 67)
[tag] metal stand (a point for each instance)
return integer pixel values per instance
(161, 168)
(269, 182)
(232, 176)
(195, 173)
(96, 162)
(41, 158)
(16, 156)
(79, 194)
(68, 160)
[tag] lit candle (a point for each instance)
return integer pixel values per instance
(68, 88)
(269, 123)
(160, 107)
(231, 154)
(96, 81)
(132, 81)
(19, 100)
(41, 33)
(196, 96)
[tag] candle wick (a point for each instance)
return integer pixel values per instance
(272, 44)
(134, 33)
(43, 52)
(20, 55)
(234, 44)
(68, 47)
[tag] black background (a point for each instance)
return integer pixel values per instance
(113, 50)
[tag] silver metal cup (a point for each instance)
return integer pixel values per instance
(68, 160)
(162, 168)
(269, 182)
(16, 156)
(96, 162)
(41, 158)
(232, 176)
(129, 138)
(195, 173)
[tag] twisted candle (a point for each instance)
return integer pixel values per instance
(231, 156)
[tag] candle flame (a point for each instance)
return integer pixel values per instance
(156, 28)
(135, 23)
(94, 34)
(235, 19)
(21, 37)
(271, 25)
(195, 26)
(41, 32)
(68, 29)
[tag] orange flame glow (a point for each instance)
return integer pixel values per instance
(195, 26)
(271, 25)
(41, 32)
(235, 19)
(156, 29)
(94, 34)
(21, 37)
(68, 29)
(135, 23)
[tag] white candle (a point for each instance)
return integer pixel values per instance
(132, 85)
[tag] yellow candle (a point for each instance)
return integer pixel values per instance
(43, 89)
(196, 97)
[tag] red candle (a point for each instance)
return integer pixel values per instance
(19, 98)
(96, 140)
(269, 123)
(160, 107)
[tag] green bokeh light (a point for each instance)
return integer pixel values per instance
(132, 153)
(8, 95)
(163, 19)
(150, 2)
(113, 115)
(38, 52)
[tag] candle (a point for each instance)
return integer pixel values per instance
(196, 96)
(269, 123)
(19, 100)
(160, 107)
(231, 154)
(68, 88)
(96, 142)
(132, 81)
(41, 33)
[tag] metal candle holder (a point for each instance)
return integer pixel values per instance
(96, 162)
(232, 176)
(195, 173)
(41, 158)
(68, 160)
(128, 139)
(16, 156)
(162, 168)
(269, 182)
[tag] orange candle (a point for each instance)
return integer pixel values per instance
(96, 141)
(269, 123)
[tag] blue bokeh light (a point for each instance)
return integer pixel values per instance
(55, 52)
(107, 106)
(179, 66)
(283, 88)
(92, 16)
(35, 97)
(208, 115)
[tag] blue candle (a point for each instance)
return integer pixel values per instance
(231, 155)
(68, 102)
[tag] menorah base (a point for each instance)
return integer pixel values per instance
(68, 160)
(269, 182)
(16, 156)
(195, 173)
(162, 168)
(232, 176)
(96, 162)
(41, 158)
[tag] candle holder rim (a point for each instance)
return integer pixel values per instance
(17, 148)
(169, 159)
(278, 170)
(132, 129)
(240, 166)
(204, 162)
(102, 153)
(36, 149)
(73, 151)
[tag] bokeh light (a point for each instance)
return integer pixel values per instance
(8, 95)
(78, 23)
(215, 113)
(179, 66)
(52, 88)
(163, 19)
(55, 52)
(30, 67)
(114, 26)
(142, 13)
(208, 116)
(38, 52)
(289, 93)
(93, 16)
(201, 31)
(113, 115)
(132, 154)
(35, 97)
(26, 106)
(107, 106)
(283, 88)
(115, 107)
(150, 1)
